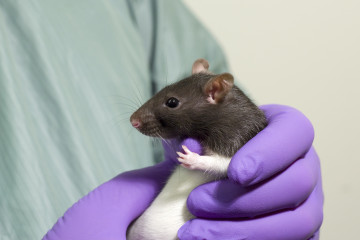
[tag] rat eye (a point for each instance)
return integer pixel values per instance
(172, 102)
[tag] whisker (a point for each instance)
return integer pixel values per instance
(130, 101)
(138, 95)
(122, 120)
(124, 113)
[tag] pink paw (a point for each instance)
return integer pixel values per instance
(189, 159)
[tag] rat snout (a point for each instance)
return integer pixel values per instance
(135, 123)
(145, 123)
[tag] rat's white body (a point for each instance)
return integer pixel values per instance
(168, 212)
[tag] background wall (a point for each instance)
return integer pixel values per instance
(305, 54)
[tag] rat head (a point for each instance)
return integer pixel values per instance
(184, 108)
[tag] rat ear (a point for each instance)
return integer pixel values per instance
(200, 65)
(218, 86)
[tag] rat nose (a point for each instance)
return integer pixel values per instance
(136, 123)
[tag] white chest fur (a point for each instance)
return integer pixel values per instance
(168, 212)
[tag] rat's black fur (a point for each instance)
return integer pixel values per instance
(223, 127)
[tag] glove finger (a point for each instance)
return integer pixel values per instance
(192, 145)
(300, 223)
(226, 199)
(288, 136)
(316, 236)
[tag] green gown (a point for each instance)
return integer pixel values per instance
(71, 74)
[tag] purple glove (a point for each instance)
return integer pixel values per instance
(107, 211)
(274, 188)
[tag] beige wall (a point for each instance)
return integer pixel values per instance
(305, 54)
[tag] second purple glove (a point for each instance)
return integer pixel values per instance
(274, 188)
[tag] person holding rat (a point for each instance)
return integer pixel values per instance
(61, 60)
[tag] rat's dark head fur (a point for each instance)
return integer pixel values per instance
(205, 107)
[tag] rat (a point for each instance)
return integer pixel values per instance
(210, 109)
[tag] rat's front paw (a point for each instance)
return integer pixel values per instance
(190, 160)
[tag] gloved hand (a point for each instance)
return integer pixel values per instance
(106, 212)
(274, 187)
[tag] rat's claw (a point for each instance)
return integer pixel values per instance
(187, 151)
(180, 154)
